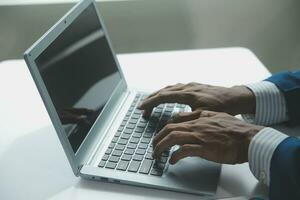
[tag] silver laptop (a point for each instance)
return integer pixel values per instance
(95, 114)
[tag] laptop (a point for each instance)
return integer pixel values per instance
(95, 115)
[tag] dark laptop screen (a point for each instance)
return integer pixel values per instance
(80, 74)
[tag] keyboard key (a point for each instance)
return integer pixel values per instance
(118, 133)
(133, 121)
(131, 108)
(137, 135)
(102, 163)
(156, 114)
(140, 151)
(158, 109)
(111, 165)
(148, 135)
(128, 131)
(130, 126)
(105, 157)
(137, 111)
(125, 136)
(120, 129)
(135, 116)
(150, 130)
(122, 165)
(161, 106)
(108, 151)
(111, 145)
(146, 140)
(180, 105)
(170, 105)
(126, 157)
(166, 115)
(120, 147)
(139, 130)
(143, 120)
(168, 109)
(134, 140)
(143, 146)
(150, 149)
(117, 153)
(138, 157)
(134, 166)
(156, 172)
(145, 167)
(123, 123)
(129, 151)
(126, 118)
(149, 156)
(142, 124)
(115, 139)
(132, 146)
(114, 159)
(123, 141)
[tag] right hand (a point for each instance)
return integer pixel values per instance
(234, 100)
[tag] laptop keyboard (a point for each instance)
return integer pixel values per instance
(131, 148)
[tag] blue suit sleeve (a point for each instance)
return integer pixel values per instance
(289, 84)
(285, 171)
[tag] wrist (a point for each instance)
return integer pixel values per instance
(252, 131)
(243, 100)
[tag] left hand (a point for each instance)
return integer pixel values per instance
(218, 137)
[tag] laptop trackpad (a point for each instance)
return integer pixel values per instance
(194, 173)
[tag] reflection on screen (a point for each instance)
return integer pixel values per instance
(80, 74)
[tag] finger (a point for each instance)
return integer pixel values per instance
(185, 116)
(148, 104)
(166, 130)
(187, 150)
(175, 87)
(206, 113)
(166, 97)
(174, 138)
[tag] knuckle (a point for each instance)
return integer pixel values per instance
(172, 136)
(169, 127)
(179, 115)
(159, 94)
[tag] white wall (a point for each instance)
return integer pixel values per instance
(270, 28)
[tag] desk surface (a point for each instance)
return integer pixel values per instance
(33, 164)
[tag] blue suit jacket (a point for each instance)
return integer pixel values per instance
(285, 163)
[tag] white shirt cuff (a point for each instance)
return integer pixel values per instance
(260, 152)
(270, 104)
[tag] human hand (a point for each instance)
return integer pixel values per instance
(75, 116)
(217, 137)
(234, 100)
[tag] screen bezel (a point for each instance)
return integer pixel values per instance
(80, 157)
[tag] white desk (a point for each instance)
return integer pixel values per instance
(33, 164)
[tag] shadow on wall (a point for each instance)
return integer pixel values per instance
(268, 28)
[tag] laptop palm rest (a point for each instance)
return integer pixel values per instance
(194, 173)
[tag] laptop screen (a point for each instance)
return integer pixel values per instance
(80, 74)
